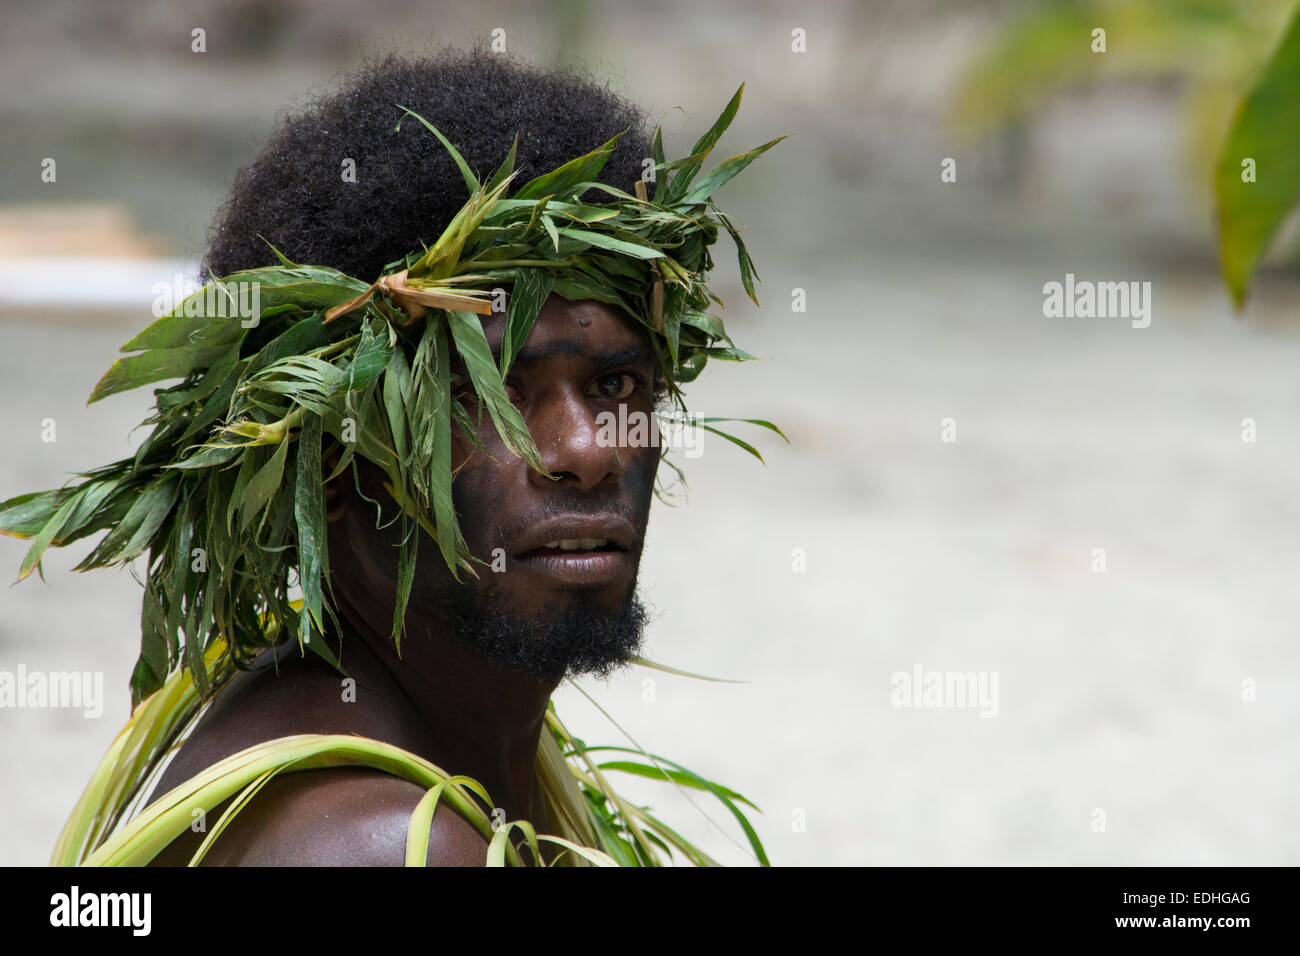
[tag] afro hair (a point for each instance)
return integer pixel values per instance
(407, 187)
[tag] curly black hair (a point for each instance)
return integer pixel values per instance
(407, 186)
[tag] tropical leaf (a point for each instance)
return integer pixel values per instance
(471, 181)
(590, 237)
(26, 515)
(724, 172)
(152, 366)
(728, 798)
(473, 348)
(309, 512)
(1257, 183)
(531, 287)
(562, 180)
(690, 166)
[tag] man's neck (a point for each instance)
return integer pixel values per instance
(486, 722)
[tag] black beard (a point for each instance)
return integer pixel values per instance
(582, 639)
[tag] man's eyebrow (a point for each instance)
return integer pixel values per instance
(640, 354)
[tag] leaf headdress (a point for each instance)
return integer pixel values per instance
(225, 495)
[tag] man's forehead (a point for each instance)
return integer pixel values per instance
(572, 328)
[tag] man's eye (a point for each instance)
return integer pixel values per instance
(615, 386)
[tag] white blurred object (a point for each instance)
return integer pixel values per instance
(89, 283)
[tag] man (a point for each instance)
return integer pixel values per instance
(361, 419)
(481, 659)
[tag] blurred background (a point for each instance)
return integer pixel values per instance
(1147, 712)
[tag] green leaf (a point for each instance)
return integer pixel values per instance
(145, 680)
(284, 260)
(371, 359)
(748, 421)
(450, 542)
(728, 354)
(725, 796)
(397, 386)
(506, 169)
(46, 536)
(406, 556)
(419, 826)
(657, 155)
(594, 857)
(527, 296)
(674, 776)
(303, 336)
(208, 383)
(25, 515)
(207, 457)
(471, 181)
(724, 171)
(145, 516)
(1266, 130)
(549, 225)
(575, 287)
(215, 407)
(610, 840)
(198, 328)
(262, 486)
(307, 288)
(472, 346)
(646, 662)
(194, 655)
(155, 638)
(562, 180)
(152, 366)
(735, 441)
(584, 213)
(247, 468)
(592, 238)
(672, 331)
(111, 514)
(693, 853)
(309, 513)
(748, 274)
(93, 495)
(682, 180)
(711, 325)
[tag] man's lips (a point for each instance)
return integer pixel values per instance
(575, 534)
(579, 550)
(579, 568)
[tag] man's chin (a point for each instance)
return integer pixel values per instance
(579, 636)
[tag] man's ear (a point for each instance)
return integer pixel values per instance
(336, 491)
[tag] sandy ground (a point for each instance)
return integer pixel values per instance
(1119, 692)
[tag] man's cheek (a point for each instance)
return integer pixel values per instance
(464, 453)
(640, 477)
(474, 490)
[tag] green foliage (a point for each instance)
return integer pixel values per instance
(224, 496)
(1047, 48)
(1210, 48)
(1265, 134)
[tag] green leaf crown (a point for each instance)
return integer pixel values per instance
(226, 494)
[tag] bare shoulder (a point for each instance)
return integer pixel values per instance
(293, 696)
(347, 816)
(341, 816)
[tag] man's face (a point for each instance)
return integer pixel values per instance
(579, 535)
(558, 591)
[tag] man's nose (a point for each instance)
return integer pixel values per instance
(570, 440)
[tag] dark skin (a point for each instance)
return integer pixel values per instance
(441, 700)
